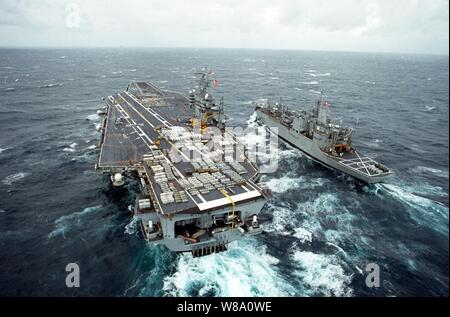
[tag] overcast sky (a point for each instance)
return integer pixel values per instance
(409, 26)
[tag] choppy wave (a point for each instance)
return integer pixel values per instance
(319, 75)
(427, 170)
(64, 224)
(71, 147)
(93, 117)
(51, 85)
(246, 269)
(283, 184)
(9, 180)
(321, 274)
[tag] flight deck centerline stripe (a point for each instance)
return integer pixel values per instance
(151, 111)
(137, 111)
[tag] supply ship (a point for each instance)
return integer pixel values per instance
(313, 132)
(190, 200)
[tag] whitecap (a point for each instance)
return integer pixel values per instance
(163, 81)
(133, 70)
(71, 147)
(51, 85)
(315, 91)
(321, 275)
(93, 117)
(283, 184)
(303, 235)
(310, 82)
(296, 88)
(320, 75)
(275, 78)
(9, 180)
(429, 108)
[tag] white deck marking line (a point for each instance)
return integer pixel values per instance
(225, 201)
(353, 164)
(133, 126)
(363, 163)
(151, 111)
(245, 188)
(357, 159)
(144, 134)
(201, 197)
(137, 111)
(122, 111)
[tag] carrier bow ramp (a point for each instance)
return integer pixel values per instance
(189, 200)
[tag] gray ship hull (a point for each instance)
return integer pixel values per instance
(356, 166)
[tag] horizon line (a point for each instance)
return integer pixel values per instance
(216, 48)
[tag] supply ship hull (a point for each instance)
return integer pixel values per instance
(312, 132)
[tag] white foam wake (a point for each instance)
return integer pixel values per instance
(244, 270)
(321, 274)
(428, 170)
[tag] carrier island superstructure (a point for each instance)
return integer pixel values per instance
(312, 131)
(190, 200)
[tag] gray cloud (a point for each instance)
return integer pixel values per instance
(352, 25)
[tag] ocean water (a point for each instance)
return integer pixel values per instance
(321, 227)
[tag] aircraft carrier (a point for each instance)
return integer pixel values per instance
(190, 199)
(312, 131)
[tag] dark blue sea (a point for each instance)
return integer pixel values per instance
(321, 227)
